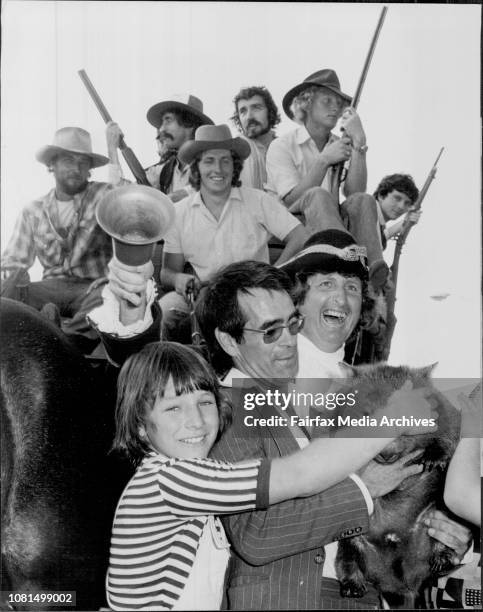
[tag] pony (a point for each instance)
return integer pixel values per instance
(59, 483)
(397, 555)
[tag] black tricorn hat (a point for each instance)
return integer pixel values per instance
(329, 251)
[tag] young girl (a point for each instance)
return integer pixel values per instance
(168, 549)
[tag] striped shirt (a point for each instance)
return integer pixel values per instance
(159, 522)
(81, 252)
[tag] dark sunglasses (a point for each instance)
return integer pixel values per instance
(272, 334)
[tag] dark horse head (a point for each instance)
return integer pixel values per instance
(59, 487)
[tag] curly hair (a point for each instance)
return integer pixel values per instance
(143, 379)
(301, 287)
(397, 182)
(248, 92)
(195, 177)
(302, 103)
(218, 305)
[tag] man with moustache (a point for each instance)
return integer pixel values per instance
(60, 229)
(175, 121)
(255, 116)
(303, 165)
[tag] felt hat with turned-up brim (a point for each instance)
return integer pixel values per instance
(322, 78)
(184, 102)
(71, 140)
(213, 137)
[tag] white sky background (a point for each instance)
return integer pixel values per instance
(422, 92)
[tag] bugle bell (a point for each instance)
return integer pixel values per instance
(136, 217)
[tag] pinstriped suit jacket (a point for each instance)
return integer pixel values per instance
(278, 554)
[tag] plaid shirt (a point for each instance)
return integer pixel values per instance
(84, 250)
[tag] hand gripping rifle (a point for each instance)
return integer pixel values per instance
(128, 154)
(400, 241)
(341, 171)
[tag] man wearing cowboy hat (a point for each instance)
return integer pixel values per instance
(220, 222)
(175, 121)
(303, 165)
(255, 116)
(60, 229)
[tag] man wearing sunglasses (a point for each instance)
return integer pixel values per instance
(251, 325)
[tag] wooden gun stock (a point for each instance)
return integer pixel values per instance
(128, 154)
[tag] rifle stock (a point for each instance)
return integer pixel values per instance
(401, 239)
(128, 154)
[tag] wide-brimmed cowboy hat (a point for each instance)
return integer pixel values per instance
(322, 78)
(329, 251)
(181, 102)
(213, 137)
(71, 140)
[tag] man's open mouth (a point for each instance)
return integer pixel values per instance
(334, 317)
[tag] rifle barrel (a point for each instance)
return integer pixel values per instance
(341, 168)
(365, 70)
(439, 155)
(391, 297)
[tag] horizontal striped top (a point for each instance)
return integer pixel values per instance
(160, 519)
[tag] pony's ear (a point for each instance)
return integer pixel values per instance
(347, 370)
(427, 371)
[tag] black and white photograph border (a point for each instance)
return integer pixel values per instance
(422, 93)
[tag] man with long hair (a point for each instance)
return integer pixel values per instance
(304, 166)
(221, 222)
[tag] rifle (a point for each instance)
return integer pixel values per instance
(401, 239)
(128, 154)
(341, 171)
(196, 336)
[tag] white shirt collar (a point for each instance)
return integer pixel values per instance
(302, 135)
(235, 194)
(311, 356)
